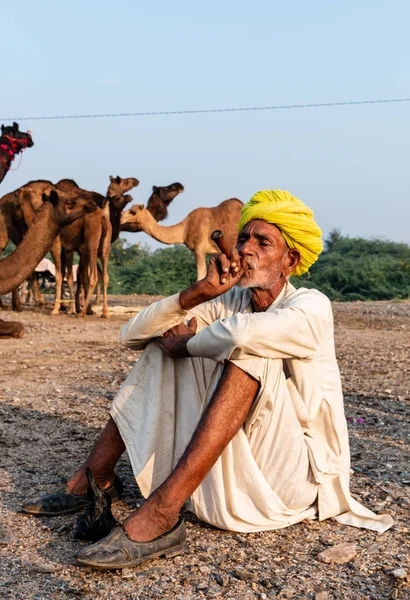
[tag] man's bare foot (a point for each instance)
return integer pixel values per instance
(149, 522)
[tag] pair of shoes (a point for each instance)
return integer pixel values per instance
(118, 551)
(63, 502)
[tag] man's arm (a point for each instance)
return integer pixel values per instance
(294, 331)
(162, 316)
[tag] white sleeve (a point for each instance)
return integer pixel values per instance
(160, 316)
(152, 322)
(294, 331)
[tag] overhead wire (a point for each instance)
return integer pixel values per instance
(207, 110)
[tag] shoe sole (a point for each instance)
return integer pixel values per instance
(170, 553)
(42, 513)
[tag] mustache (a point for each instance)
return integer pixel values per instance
(250, 263)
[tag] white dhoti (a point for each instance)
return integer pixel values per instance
(290, 460)
(262, 480)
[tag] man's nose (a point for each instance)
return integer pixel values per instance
(246, 248)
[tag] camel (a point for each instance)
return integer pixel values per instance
(158, 203)
(57, 211)
(13, 226)
(94, 234)
(12, 142)
(194, 231)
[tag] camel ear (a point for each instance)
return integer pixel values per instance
(155, 189)
(2, 128)
(15, 125)
(112, 179)
(118, 180)
(51, 197)
(141, 207)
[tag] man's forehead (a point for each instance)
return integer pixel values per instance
(261, 227)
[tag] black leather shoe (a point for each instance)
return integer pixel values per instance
(63, 502)
(118, 551)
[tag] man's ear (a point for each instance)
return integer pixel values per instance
(293, 259)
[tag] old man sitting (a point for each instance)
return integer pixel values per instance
(235, 404)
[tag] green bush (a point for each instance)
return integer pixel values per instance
(360, 269)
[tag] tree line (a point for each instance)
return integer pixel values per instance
(348, 269)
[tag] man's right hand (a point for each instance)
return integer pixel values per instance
(222, 274)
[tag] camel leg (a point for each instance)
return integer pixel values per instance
(80, 287)
(70, 280)
(24, 291)
(56, 254)
(200, 259)
(15, 299)
(105, 276)
(11, 329)
(38, 296)
(90, 274)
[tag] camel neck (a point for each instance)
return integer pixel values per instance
(115, 218)
(167, 234)
(15, 268)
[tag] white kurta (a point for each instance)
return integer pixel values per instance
(290, 460)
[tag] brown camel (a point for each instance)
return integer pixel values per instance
(194, 231)
(57, 211)
(12, 142)
(13, 226)
(94, 234)
(158, 203)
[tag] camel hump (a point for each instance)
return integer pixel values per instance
(231, 200)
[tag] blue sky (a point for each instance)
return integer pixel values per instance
(350, 164)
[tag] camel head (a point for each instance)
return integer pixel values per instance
(69, 208)
(118, 203)
(119, 186)
(160, 199)
(21, 139)
(135, 219)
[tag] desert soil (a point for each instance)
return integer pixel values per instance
(56, 385)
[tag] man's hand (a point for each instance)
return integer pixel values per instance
(174, 341)
(222, 274)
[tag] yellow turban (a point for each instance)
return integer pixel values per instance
(293, 218)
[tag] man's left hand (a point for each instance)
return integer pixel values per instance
(174, 341)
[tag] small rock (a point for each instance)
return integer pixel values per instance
(287, 592)
(127, 573)
(204, 569)
(242, 574)
(202, 586)
(213, 592)
(339, 554)
(322, 595)
(399, 573)
(222, 579)
(43, 568)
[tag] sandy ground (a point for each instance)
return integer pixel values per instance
(56, 385)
